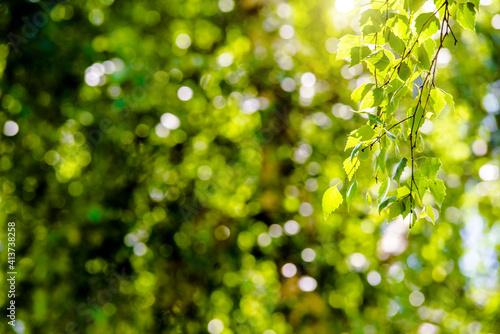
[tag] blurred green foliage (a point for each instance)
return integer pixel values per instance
(164, 162)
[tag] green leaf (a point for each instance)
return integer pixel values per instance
(430, 168)
(404, 72)
(331, 201)
(355, 150)
(438, 100)
(378, 59)
(402, 192)
(423, 57)
(438, 191)
(396, 44)
(370, 29)
(350, 166)
(359, 93)
(466, 16)
(351, 192)
(449, 101)
(413, 5)
(364, 154)
(383, 190)
(372, 99)
(380, 160)
(400, 26)
(430, 213)
(372, 15)
(475, 2)
(427, 25)
(374, 119)
(418, 121)
(421, 186)
(346, 43)
(399, 169)
(406, 207)
(352, 142)
(394, 85)
(385, 203)
(414, 218)
(364, 133)
(425, 53)
(390, 135)
(430, 46)
(399, 93)
(358, 53)
(394, 211)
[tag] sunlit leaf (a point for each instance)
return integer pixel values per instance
(400, 26)
(383, 190)
(402, 192)
(351, 192)
(350, 166)
(374, 119)
(363, 134)
(358, 53)
(466, 16)
(394, 211)
(372, 99)
(385, 203)
(397, 44)
(332, 198)
(399, 169)
(430, 213)
(380, 160)
(427, 25)
(379, 59)
(423, 57)
(430, 168)
(345, 45)
(438, 100)
(449, 101)
(359, 93)
(390, 135)
(438, 191)
(404, 72)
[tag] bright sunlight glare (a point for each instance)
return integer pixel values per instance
(344, 6)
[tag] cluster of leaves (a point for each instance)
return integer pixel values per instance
(400, 45)
(227, 205)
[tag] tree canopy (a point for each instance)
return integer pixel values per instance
(169, 165)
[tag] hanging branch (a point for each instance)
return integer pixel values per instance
(397, 47)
